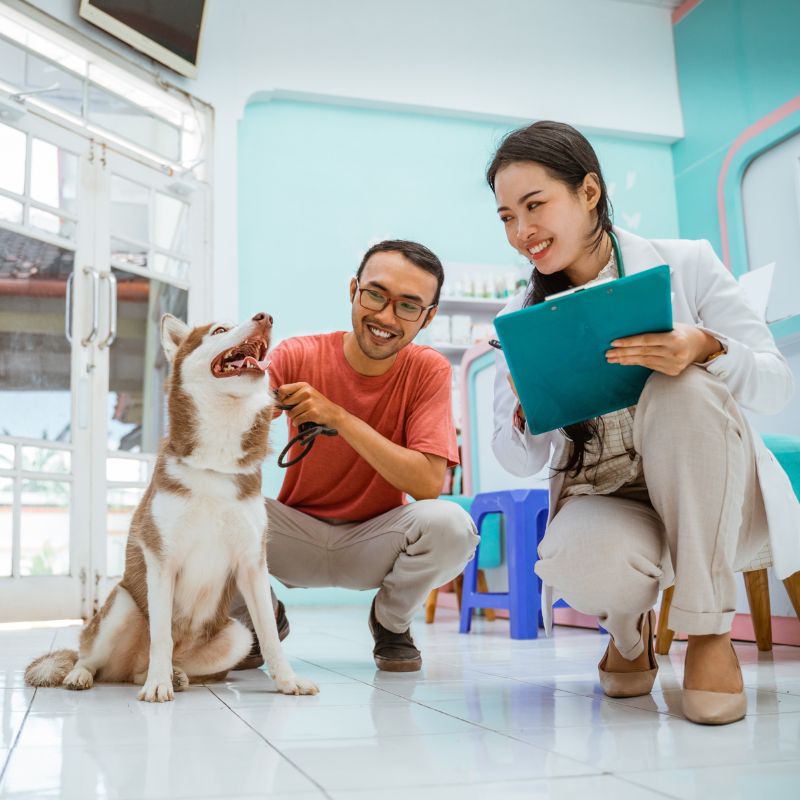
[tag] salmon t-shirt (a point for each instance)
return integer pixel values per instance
(409, 405)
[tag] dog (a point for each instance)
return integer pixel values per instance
(198, 533)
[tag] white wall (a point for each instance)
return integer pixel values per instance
(603, 65)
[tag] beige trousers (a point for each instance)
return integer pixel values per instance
(404, 553)
(697, 519)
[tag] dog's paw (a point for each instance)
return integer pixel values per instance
(157, 691)
(294, 684)
(180, 680)
(79, 678)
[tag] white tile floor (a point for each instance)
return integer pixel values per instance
(486, 719)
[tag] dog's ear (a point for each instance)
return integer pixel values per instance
(173, 332)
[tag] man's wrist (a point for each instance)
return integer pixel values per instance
(339, 418)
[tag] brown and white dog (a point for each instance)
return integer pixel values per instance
(199, 532)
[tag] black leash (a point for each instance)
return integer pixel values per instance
(308, 432)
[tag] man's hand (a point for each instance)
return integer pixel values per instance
(419, 474)
(669, 353)
(309, 405)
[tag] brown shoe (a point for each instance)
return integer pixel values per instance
(393, 652)
(254, 659)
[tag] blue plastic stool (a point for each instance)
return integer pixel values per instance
(525, 512)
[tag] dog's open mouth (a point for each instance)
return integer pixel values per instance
(250, 356)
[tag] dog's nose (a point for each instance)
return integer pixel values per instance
(262, 317)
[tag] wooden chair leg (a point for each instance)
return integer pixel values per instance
(430, 606)
(483, 586)
(664, 635)
(792, 584)
(458, 584)
(757, 587)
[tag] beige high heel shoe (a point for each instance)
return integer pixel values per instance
(715, 708)
(632, 684)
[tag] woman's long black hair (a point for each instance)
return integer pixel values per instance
(568, 157)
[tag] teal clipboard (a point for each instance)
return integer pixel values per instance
(556, 349)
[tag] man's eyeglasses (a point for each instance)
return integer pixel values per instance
(374, 300)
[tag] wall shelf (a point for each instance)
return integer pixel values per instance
(473, 303)
(446, 348)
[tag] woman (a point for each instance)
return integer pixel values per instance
(676, 489)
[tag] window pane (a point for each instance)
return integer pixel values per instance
(35, 397)
(130, 210)
(121, 505)
(10, 210)
(129, 470)
(6, 524)
(134, 123)
(173, 267)
(45, 459)
(54, 176)
(51, 223)
(43, 74)
(171, 217)
(12, 63)
(44, 533)
(127, 253)
(6, 456)
(138, 371)
(12, 159)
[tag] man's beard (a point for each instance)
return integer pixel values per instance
(370, 349)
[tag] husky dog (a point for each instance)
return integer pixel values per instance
(198, 533)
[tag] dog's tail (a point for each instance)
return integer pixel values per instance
(51, 668)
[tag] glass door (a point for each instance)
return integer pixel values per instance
(95, 246)
(150, 236)
(48, 289)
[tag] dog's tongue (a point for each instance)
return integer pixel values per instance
(252, 362)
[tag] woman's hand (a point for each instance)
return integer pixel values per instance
(519, 414)
(669, 353)
(511, 384)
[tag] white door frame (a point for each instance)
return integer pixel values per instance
(79, 593)
(63, 596)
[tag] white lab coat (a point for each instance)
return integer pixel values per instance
(704, 293)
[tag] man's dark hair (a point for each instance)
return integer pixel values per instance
(568, 157)
(417, 254)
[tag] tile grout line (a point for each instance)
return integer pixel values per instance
(619, 777)
(271, 745)
(477, 725)
(24, 720)
(611, 700)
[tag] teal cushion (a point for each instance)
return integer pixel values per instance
(786, 450)
(491, 552)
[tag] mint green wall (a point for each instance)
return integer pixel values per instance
(318, 184)
(737, 61)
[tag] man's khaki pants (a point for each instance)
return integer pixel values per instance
(698, 518)
(404, 553)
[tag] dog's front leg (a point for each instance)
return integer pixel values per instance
(254, 586)
(160, 589)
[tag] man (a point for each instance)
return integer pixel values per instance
(340, 518)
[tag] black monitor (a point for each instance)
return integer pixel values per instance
(169, 31)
